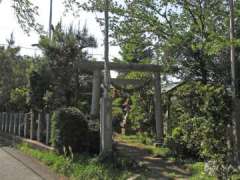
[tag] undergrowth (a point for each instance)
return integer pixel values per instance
(79, 167)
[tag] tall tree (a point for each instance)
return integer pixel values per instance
(64, 51)
(192, 34)
(235, 100)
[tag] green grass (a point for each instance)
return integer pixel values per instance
(197, 170)
(79, 167)
(83, 167)
(137, 141)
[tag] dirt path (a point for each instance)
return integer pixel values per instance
(157, 168)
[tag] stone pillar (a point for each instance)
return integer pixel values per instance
(106, 125)
(47, 118)
(96, 88)
(39, 127)
(158, 109)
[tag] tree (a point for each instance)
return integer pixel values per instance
(136, 49)
(192, 34)
(235, 100)
(14, 73)
(63, 52)
(26, 13)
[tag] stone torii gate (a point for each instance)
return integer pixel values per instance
(98, 109)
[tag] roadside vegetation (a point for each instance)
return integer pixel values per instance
(87, 167)
(78, 166)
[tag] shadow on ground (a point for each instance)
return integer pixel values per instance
(156, 167)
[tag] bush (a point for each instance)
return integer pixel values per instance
(18, 98)
(201, 115)
(70, 132)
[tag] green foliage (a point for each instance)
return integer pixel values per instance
(139, 118)
(197, 170)
(79, 167)
(137, 113)
(69, 132)
(136, 49)
(64, 52)
(26, 13)
(190, 34)
(202, 113)
(39, 86)
(14, 74)
(117, 113)
(18, 98)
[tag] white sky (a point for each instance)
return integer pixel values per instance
(8, 24)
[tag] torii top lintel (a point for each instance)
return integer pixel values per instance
(99, 65)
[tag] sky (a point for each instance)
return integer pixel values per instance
(8, 24)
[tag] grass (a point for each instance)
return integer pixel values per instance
(84, 167)
(138, 141)
(197, 170)
(80, 167)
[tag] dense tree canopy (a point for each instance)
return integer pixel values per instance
(191, 34)
(14, 75)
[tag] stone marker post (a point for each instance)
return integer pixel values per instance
(96, 88)
(158, 109)
(106, 125)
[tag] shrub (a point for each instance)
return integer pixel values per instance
(140, 118)
(117, 114)
(70, 132)
(18, 98)
(201, 115)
